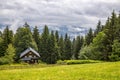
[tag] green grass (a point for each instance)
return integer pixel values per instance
(23, 66)
(70, 62)
(96, 71)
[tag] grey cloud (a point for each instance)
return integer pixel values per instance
(101, 10)
(85, 13)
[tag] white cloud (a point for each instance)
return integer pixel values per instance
(84, 13)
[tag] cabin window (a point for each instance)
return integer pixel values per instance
(30, 55)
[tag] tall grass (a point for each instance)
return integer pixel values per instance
(69, 62)
(23, 66)
(97, 71)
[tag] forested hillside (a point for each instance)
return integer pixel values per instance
(101, 44)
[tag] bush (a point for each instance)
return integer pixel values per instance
(69, 62)
(9, 54)
(4, 60)
(81, 61)
(61, 62)
(114, 57)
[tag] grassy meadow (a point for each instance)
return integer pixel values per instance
(94, 71)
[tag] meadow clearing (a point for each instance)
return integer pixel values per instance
(94, 71)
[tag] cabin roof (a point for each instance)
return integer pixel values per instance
(28, 50)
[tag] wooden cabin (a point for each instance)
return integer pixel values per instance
(30, 56)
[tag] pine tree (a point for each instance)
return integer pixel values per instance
(44, 44)
(26, 25)
(109, 30)
(57, 36)
(78, 45)
(7, 38)
(114, 41)
(117, 31)
(52, 49)
(98, 29)
(89, 37)
(61, 47)
(73, 48)
(81, 43)
(67, 48)
(2, 49)
(115, 55)
(10, 53)
(36, 37)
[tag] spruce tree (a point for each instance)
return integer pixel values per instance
(78, 45)
(53, 55)
(98, 29)
(7, 38)
(67, 48)
(61, 47)
(89, 37)
(57, 36)
(117, 31)
(2, 49)
(115, 55)
(36, 37)
(26, 25)
(73, 48)
(10, 53)
(44, 44)
(109, 30)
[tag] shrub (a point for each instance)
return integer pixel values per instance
(69, 62)
(4, 60)
(114, 57)
(9, 54)
(61, 62)
(81, 61)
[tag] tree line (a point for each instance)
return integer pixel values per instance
(104, 43)
(50, 44)
(101, 44)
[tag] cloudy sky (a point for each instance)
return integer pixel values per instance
(72, 13)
